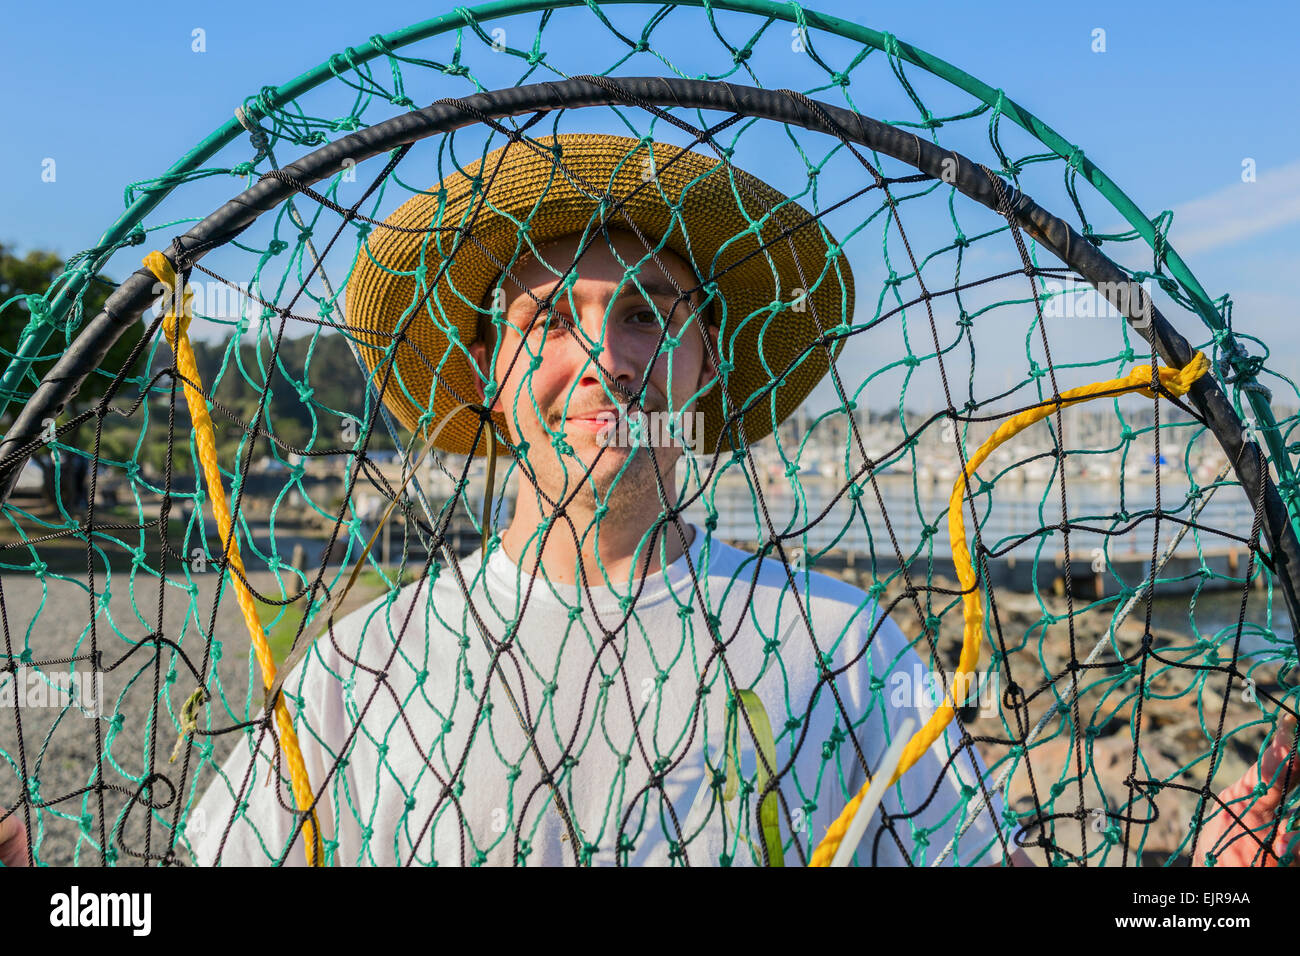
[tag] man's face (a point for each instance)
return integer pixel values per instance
(568, 393)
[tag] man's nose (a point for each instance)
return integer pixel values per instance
(621, 364)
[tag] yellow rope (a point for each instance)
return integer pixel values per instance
(177, 330)
(1177, 382)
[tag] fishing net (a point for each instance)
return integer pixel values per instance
(1027, 523)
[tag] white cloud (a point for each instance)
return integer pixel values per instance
(1238, 212)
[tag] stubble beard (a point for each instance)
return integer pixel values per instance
(630, 494)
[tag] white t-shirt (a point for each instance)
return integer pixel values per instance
(420, 758)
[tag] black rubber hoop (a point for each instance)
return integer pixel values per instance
(134, 295)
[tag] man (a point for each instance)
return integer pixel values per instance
(583, 704)
(618, 686)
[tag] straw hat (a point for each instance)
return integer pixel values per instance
(544, 192)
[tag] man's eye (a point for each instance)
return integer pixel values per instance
(555, 323)
(645, 317)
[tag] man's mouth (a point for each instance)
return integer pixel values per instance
(594, 421)
(602, 419)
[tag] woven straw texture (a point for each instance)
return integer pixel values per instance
(757, 251)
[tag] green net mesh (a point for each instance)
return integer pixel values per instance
(1134, 660)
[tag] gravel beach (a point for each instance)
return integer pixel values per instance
(48, 619)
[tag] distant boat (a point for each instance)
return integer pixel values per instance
(1206, 471)
(1038, 470)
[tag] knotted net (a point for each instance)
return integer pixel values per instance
(1109, 642)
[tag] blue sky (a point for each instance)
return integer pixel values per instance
(1182, 95)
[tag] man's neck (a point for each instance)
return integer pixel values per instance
(610, 553)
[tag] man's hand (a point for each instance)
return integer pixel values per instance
(1240, 844)
(13, 841)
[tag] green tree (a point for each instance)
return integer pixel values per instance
(33, 275)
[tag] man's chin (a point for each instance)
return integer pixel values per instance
(607, 470)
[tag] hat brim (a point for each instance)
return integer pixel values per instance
(773, 272)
